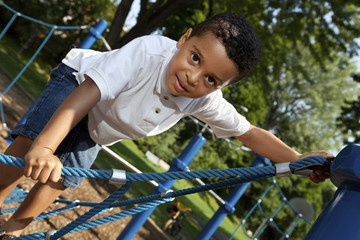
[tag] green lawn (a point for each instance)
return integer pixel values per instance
(35, 76)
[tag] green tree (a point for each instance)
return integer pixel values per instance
(152, 16)
(61, 13)
(306, 104)
(348, 121)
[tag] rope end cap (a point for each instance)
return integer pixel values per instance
(283, 169)
(118, 177)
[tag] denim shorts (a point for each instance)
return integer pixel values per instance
(77, 149)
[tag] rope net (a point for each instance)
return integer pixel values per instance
(233, 177)
(51, 29)
(269, 219)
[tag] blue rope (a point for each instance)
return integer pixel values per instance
(66, 171)
(34, 236)
(92, 212)
(22, 195)
(248, 173)
(257, 205)
(14, 201)
(52, 29)
(8, 210)
(120, 215)
(100, 221)
(8, 25)
(41, 22)
(57, 211)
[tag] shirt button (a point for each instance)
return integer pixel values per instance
(166, 97)
(157, 110)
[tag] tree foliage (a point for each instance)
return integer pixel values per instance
(306, 103)
(54, 12)
(151, 16)
(348, 121)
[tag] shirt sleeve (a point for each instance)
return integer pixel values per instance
(223, 118)
(113, 71)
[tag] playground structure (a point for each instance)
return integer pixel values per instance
(258, 171)
(148, 202)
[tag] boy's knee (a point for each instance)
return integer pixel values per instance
(19, 147)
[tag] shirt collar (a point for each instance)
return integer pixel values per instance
(161, 87)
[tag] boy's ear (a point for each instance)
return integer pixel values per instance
(183, 38)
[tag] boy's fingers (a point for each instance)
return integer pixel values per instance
(315, 178)
(44, 176)
(35, 173)
(323, 154)
(56, 173)
(27, 171)
(320, 174)
(43, 171)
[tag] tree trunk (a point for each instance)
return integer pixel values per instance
(150, 19)
(118, 22)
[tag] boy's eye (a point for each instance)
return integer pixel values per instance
(195, 58)
(211, 80)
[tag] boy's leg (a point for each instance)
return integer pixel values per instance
(57, 89)
(62, 83)
(34, 204)
(11, 176)
(77, 150)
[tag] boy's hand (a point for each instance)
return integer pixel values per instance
(321, 173)
(41, 164)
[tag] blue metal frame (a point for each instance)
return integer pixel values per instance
(179, 164)
(234, 196)
(340, 218)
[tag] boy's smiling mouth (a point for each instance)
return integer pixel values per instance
(179, 85)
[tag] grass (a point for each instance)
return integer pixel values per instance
(202, 205)
(35, 76)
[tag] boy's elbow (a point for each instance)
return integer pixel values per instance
(247, 135)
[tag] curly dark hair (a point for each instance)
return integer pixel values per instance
(238, 37)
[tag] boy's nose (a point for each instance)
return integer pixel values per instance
(193, 78)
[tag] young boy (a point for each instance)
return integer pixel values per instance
(142, 89)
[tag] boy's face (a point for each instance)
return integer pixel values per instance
(199, 67)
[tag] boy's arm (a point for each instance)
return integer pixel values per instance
(40, 162)
(271, 147)
(268, 145)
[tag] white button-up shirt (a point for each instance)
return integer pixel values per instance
(135, 101)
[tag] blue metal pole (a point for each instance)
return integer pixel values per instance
(228, 207)
(179, 164)
(340, 219)
(95, 33)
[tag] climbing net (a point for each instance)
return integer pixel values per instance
(270, 219)
(52, 28)
(234, 176)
